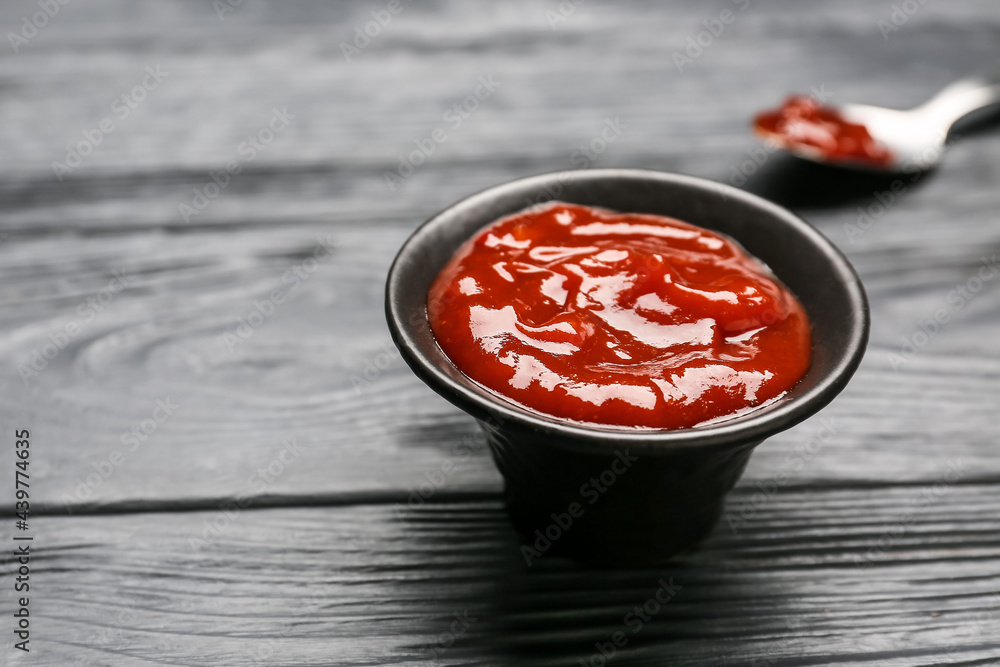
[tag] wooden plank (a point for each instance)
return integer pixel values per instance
(321, 370)
(905, 575)
(162, 337)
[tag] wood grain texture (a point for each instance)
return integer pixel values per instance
(322, 177)
(852, 559)
(904, 575)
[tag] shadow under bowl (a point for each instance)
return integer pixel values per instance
(612, 495)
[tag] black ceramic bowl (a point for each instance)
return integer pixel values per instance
(609, 494)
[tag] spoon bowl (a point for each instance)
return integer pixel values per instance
(916, 137)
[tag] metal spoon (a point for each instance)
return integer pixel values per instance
(915, 137)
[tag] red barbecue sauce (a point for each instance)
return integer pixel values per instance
(618, 318)
(801, 123)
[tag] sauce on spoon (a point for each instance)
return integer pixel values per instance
(801, 123)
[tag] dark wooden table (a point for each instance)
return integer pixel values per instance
(222, 438)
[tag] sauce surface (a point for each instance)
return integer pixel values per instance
(802, 123)
(621, 319)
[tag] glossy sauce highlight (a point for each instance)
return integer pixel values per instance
(801, 123)
(621, 319)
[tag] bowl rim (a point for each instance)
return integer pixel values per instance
(486, 405)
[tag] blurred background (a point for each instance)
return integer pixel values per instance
(199, 201)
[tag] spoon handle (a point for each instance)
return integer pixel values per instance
(961, 98)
